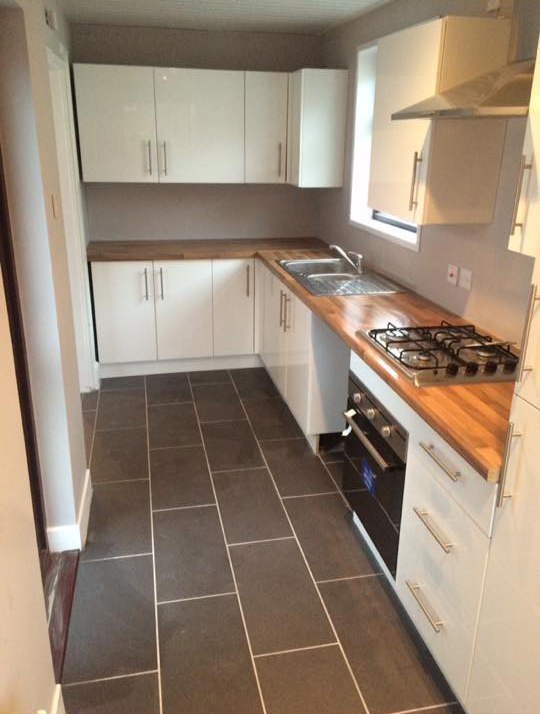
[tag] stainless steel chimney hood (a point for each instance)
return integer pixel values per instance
(502, 93)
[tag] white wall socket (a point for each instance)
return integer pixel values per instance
(452, 274)
(465, 279)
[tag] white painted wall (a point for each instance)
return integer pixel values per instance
(27, 137)
(498, 297)
(27, 682)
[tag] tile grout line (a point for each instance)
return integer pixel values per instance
(297, 649)
(261, 540)
(349, 577)
(430, 708)
(310, 495)
(241, 609)
(109, 679)
(245, 468)
(197, 597)
(158, 654)
(113, 557)
(118, 480)
(323, 604)
(183, 508)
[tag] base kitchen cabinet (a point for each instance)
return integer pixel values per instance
(306, 360)
(233, 306)
(124, 311)
(183, 290)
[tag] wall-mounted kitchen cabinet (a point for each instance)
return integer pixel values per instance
(266, 126)
(316, 127)
(117, 123)
(173, 309)
(442, 171)
(200, 125)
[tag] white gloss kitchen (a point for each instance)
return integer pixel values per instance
(270, 318)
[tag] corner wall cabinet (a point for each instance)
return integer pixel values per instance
(175, 125)
(172, 309)
(436, 171)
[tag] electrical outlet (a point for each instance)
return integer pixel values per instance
(452, 274)
(50, 18)
(465, 279)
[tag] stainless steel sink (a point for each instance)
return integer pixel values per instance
(334, 276)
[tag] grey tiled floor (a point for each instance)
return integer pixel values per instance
(222, 573)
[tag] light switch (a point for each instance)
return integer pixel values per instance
(465, 279)
(452, 274)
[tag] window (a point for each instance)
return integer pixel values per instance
(363, 215)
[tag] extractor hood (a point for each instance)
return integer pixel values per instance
(505, 92)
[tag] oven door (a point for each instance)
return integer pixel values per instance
(373, 482)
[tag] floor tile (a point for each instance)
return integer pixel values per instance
(119, 521)
(89, 400)
(280, 602)
(180, 477)
(295, 468)
(336, 469)
(191, 557)
(328, 537)
(122, 383)
(250, 506)
(217, 402)
(308, 681)
(271, 419)
(173, 425)
(119, 455)
(121, 409)
(127, 695)
(231, 445)
(112, 629)
(398, 674)
(254, 383)
(89, 420)
(168, 388)
(210, 376)
(205, 661)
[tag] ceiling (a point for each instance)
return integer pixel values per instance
(296, 16)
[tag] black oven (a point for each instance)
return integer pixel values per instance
(374, 469)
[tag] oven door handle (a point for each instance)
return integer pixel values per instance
(349, 418)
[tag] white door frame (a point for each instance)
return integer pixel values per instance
(72, 208)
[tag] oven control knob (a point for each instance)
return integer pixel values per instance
(371, 413)
(357, 397)
(386, 432)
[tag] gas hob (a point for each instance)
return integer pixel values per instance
(446, 354)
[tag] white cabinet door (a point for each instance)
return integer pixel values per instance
(297, 330)
(316, 127)
(124, 311)
(266, 126)
(183, 298)
(407, 73)
(505, 674)
(529, 385)
(233, 306)
(200, 125)
(117, 123)
(273, 337)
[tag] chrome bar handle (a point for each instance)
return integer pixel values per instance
(281, 296)
(424, 516)
(165, 165)
(432, 618)
(286, 325)
(146, 284)
(510, 434)
(430, 450)
(533, 299)
(149, 147)
(381, 461)
(161, 283)
(247, 281)
(417, 160)
(524, 166)
(280, 158)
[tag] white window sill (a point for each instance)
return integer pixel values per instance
(399, 236)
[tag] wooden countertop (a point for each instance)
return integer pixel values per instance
(473, 419)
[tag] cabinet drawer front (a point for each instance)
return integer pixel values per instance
(473, 493)
(443, 553)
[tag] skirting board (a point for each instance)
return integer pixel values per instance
(131, 369)
(73, 537)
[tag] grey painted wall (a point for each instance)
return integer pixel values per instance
(500, 278)
(122, 212)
